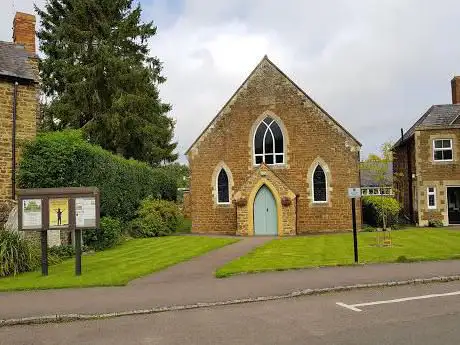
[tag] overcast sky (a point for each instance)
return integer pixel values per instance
(374, 65)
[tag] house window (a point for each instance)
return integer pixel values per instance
(431, 192)
(442, 150)
(319, 185)
(223, 196)
(268, 143)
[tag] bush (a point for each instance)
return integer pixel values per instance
(61, 252)
(156, 218)
(109, 234)
(435, 223)
(65, 159)
(17, 254)
(377, 209)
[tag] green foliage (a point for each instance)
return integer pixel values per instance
(185, 227)
(435, 223)
(180, 172)
(380, 210)
(156, 218)
(109, 234)
(65, 159)
(62, 252)
(97, 75)
(17, 254)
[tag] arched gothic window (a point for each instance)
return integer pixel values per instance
(223, 195)
(319, 185)
(268, 143)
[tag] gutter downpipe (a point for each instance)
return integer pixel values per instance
(13, 143)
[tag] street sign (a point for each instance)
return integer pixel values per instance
(354, 192)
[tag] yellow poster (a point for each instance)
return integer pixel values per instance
(59, 212)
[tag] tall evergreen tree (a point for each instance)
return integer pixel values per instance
(97, 75)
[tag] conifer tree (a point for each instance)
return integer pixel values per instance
(97, 75)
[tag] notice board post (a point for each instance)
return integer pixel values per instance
(73, 208)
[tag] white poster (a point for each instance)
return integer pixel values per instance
(31, 214)
(85, 211)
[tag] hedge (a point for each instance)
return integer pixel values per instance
(65, 159)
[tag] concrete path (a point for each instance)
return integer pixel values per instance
(193, 282)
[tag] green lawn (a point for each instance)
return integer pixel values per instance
(331, 250)
(119, 265)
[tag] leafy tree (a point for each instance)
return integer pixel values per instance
(377, 166)
(97, 75)
(180, 172)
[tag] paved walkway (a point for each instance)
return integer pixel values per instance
(194, 281)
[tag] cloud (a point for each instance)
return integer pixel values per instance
(374, 65)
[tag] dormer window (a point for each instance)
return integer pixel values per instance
(442, 150)
(268, 143)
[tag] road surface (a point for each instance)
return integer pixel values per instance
(419, 315)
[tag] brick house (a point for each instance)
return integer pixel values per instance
(19, 98)
(427, 164)
(272, 162)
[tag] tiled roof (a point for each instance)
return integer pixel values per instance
(442, 116)
(14, 62)
(368, 178)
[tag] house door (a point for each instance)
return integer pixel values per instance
(453, 199)
(265, 213)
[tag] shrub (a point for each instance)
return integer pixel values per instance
(17, 254)
(61, 252)
(435, 223)
(380, 211)
(65, 159)
(109, 234)
(156, 218)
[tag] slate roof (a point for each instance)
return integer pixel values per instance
(14, 62)
(442, 116)
(367, 177)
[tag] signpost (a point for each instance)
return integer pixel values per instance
(354, 193)
(72, 208)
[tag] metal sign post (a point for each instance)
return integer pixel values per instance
(74, 209)
(354, 193)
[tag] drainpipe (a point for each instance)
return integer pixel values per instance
(13, 143)
(296, 212)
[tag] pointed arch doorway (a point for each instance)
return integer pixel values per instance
(265, 213)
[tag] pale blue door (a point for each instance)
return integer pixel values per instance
(265, 213)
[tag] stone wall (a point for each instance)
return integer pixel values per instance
(26, 124)
(435, 174)
(310, 135)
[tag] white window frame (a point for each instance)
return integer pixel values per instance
(254, 154)
(313, 186)
(217, 188)
(442, 149)
(428, 194)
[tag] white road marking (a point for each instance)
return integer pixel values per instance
(348, 306)
(397, 300)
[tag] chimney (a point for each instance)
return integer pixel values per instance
(455, 90)
(24, 31)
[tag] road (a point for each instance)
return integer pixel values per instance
(399, 315)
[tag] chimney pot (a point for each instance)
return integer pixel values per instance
(455, 90)
(24, 31)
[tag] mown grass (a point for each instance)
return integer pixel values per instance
(337, 249)
(133, 259)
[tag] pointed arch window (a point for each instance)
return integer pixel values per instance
(268, 143)
(319, 185)
(223, 195)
